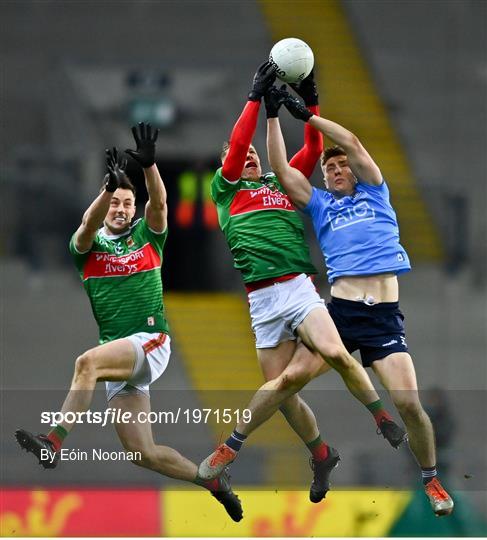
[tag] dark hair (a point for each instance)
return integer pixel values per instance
(330, 152)
(125, 183)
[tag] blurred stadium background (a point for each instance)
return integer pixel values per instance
(410, 79)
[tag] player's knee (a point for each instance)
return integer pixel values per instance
(141, 456)
(294, 380)
(338, 357)
(409, 407)
(84, 365)
(144, 459)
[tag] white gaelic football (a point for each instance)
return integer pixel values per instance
(293, 59)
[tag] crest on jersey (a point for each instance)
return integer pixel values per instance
(130, 242)
(269, 180)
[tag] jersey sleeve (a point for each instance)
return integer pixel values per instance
(315, 206)
(78, 257)
(222, 190)
(240, 140)
(143, 233)
(377, 192)
(305, 159)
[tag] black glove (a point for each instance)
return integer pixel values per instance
(116, 165)
(145, 139)
(263, 79)
(273, 100)
(307, 90)
(297, 109)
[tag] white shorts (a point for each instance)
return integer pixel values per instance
(276, 311)
(152, 353)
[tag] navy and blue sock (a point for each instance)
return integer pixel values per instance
(235, 440)
(428, 473)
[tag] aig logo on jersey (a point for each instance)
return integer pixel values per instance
(350, 216)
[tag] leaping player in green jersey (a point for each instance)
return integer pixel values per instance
(266, 237)
(119, 263)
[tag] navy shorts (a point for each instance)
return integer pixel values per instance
(376, 330)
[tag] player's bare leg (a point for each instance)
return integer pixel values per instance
(397, 374)
(112, 361)
(302, 369)
(266, 401)
(277, 392)
(320, 334)
(297, 412)
(137, 437)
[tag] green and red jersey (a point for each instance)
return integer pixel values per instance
(262, 228)
(122, 277)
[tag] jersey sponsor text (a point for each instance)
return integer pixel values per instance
(350, 216)
(252, 200)
(109, 265)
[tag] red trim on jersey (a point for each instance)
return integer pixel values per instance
(256, 285)
(305, 160)
(252, 200)
(154, 343)
(240, 140)
(102, 264)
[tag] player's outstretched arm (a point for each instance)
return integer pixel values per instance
(294, 182)
(156, 208)
(244, 128)
(306, 158)
(360, 161)
(362, 165)
(96, 212)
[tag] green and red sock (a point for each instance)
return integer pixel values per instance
(210, 485)
(318, 449)
(378, 411)
(57, 436)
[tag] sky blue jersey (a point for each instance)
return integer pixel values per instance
(358, 234)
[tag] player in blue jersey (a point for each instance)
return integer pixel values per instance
(358, 233)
